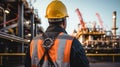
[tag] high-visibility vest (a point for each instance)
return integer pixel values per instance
(59, 51)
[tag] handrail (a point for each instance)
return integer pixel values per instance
(95, 55)
(102, 54)
(92, 55)
(22, 54)
(12, 54)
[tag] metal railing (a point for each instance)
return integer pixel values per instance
(12, 54)
(104, 55)
(88, 55)
(9, 54)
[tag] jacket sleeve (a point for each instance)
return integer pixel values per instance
(78, 57)
(28, 58)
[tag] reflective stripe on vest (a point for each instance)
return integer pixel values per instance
(59, 52)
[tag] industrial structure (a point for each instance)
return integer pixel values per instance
(97, 40)
(18, 25)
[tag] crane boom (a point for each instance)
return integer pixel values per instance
(100, 20)
(80, 18)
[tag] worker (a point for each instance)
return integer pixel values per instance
(55, 48)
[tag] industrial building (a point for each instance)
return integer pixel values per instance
(18, 25)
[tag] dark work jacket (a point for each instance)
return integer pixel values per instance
(77, 55)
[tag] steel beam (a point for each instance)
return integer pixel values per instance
(32, 25)
(21, 24)
(9, 27)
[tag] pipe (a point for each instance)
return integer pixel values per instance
(9, 21)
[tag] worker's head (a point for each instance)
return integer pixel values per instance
(56, 13)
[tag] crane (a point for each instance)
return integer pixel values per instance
(100, 20)
(81, 19)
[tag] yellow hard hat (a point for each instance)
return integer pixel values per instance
(56, 9)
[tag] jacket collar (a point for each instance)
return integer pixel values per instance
(53, 32)
(57, 29)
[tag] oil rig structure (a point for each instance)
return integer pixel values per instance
(100, 40)
(97, 41)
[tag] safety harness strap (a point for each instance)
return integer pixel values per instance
(62, 56)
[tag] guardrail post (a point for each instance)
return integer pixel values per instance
(0, 60)
(113, 59)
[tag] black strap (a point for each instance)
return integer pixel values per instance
(50, 63)
(48, 42)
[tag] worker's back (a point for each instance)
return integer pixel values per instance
(55, 47)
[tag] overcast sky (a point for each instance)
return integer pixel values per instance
(88, 8)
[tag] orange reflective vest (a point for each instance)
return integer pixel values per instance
(59, 52)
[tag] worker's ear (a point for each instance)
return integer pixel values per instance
(65, 23)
